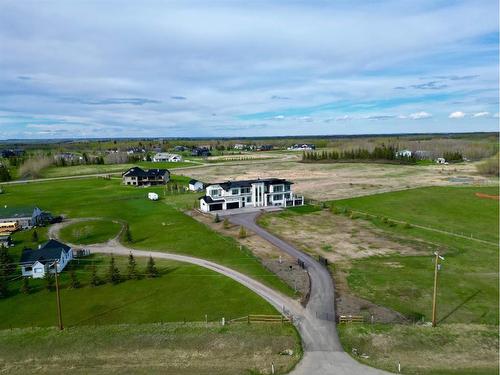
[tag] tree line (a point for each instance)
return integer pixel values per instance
(383, 152)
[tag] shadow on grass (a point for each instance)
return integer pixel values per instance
(459, 306)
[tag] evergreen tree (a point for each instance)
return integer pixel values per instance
(34, 236)
(25, 286)
(132, 267)
(4, 173)
(7, 268)
(151, 270)
(94, 279)
(128, 234)
(74, 282)
(226, 224)
(216, 218)
(242, 233)
(113, 272)
(49, 280)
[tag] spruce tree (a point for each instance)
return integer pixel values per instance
(49, 280)
(242, 233)
(132, 267)
(34, 236)
(216, 218)
(128, 235)
(151, 270)
(113, 272)
(94, 279)
(74, 282)
(226, 224)
(25, 286)
(7, 268)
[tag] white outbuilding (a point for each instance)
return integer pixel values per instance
(153, 196)
(195, 185)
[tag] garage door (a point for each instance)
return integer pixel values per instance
(215, 207)
(232, 205)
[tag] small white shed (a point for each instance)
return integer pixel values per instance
(195, 185)
(441, 160)
(153, 196)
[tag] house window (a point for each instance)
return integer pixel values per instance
(287, 196)
(278, 197)
(235, 191)
(245, 190)
(249, 199)
(37, 270)
(28, 269)
(215, 192)
(278, 188)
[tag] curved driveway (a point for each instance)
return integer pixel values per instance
(323, 354)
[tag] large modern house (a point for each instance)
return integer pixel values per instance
(249, 193)
(137, 176)
(36, 263)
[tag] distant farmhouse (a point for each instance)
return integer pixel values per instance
(302, 147)
(201, 151)
(404, 154)
(25, 217)
(195, 185)
(249, 193)
(36, 263)
(164, 156)
(137, 176)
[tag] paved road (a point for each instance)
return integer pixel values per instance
(323, 354)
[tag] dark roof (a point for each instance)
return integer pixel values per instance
(139, 172)
(50, 251)
(248, 183)
(209, 200)
(193, 181)
(16, 212)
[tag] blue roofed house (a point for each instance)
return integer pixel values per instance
(36, 263)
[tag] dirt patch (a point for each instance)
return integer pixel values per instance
(275, 260)
(343, 180)
(487, 196)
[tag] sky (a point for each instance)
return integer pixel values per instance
(81, 69)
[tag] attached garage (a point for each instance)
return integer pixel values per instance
(215, 207)
(232, 205)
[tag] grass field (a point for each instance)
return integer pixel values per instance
(79, 170)
(156, 225)
(150, 349)
(451, 349)
(90, 232)
(183, 292)
(469, 278)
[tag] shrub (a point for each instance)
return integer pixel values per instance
(489, 167)
(242, 233)
(226, 224)
(216, 218)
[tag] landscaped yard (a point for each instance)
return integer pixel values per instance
(173, 348)
(182, 292)
(159, 225)
(90, 232)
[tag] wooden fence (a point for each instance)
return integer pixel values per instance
(262, 318)
(347, 319)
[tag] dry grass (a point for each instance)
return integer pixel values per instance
(344, 180)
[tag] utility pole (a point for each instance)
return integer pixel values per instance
(434, 294)
(58, 298)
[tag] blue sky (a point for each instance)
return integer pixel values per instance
(247, 68)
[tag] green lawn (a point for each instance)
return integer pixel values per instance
(453, 209)
(173, 348)
(182, 292)
(159, 225)
(468, 281)
(78, 170)
(90, 232)
(450, 349)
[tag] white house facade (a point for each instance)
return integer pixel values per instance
(249, 193)
(36, 263)
(166, 157)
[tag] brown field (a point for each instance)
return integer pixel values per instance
(344, 180)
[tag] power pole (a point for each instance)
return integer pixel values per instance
(434, 295)
(58, 298)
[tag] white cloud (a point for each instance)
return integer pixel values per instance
(279, 117)
(481, 114)
(457, 114)
(419, 115)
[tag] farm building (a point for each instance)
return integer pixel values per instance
(25, 217)
(52, 254)
(166, 157)
(137, 176)
(404, 154)
(302, 147)
(195, 185)
(5, 240)
(201, 151)
(249, 193)
(441, 161)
